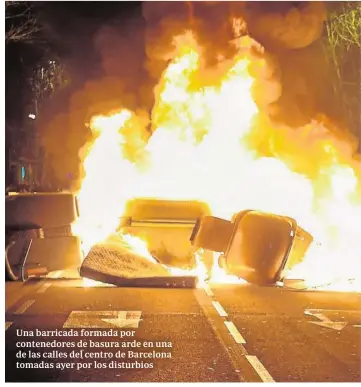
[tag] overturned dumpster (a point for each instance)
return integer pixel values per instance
(256, 246)
(165, 226)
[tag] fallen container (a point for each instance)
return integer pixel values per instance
(39, 236)
(261, 246)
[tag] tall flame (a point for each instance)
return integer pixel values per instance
(207, 144)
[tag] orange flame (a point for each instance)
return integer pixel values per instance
(207, 141)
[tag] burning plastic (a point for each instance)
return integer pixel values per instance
(213, 141)
(258, 247)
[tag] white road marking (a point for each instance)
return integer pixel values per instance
(337, 311)
(238, 338)
(324, 320)
(102, 319)
(8, 325)
(357, 326)
(208, 291)
(335, 325)
(24, 306)
(218, 307)
(43, 288)
(260, 369)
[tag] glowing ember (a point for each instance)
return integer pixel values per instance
(207, 143)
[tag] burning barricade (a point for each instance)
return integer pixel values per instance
(255, 246)
(158, 242)
(210, 141)
(216, 134)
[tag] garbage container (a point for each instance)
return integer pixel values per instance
(39, 238)
(256, 246)
(166, 227)
(263, 246)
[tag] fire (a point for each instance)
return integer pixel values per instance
(208, 143)
(100, 200)
(138, 246)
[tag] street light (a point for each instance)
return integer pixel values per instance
(32, 116)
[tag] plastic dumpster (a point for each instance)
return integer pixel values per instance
(261, 246)
(39, 237)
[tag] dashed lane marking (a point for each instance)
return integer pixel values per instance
(234, 352)
(260, 369)
(238, 338)
(43, 288)
(8, 325)
(218, 307)
(24, 306)
(239, 352)
(208, 291)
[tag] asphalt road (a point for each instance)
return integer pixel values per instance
(226, 333)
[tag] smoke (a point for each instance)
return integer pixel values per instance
(292, 33)
(284, 26)
(292, 84)
(209, 22)
(117, 59)
(292, 78)
(120, 47)
(67, 134)
(289, 33)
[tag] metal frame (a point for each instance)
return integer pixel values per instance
(21, 266)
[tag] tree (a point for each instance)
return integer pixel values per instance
(21, 23)
(34, 72)
(47, 77)
(342, 46)
(45, 73)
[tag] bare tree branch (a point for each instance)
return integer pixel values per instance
(21, 22)
(23, 32)
(341, 44)
(345, 25)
